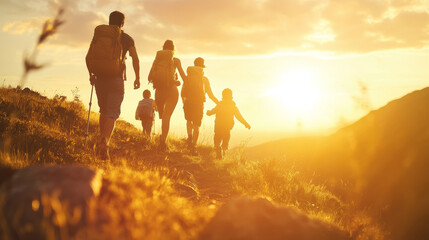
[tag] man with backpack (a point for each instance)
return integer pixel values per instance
(106, 65)
(193, 94)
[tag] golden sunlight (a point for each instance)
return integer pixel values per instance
(297, 92)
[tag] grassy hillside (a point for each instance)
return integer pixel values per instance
(382, 158)
(152, 195)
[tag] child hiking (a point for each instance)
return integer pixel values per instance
(145, 112)
(225, 112)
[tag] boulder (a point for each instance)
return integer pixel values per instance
(50, 201)
(245, 218)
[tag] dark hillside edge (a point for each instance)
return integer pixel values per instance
(384, 156)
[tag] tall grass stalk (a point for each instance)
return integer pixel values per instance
(50, 27)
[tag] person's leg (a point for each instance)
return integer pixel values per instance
(225, 140)
(101, 123)
(195, 134)
(160, 101)
(149, 126)
(197, 118)
(103, 88)
(107, 124)
(112, 95)
(112, 111)
(217, 140)
(170, 105)
(143, 126)
(102, 92)
(189, 127)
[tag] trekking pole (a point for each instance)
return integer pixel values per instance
(154, 127)
(89, 113)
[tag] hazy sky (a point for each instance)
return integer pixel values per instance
(295, 66)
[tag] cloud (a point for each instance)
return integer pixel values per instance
(243, 27)
(79, 28)
(235, 27)
(22, 27)
(252, 27)
(366, 26)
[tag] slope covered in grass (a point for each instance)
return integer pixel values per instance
(153, 195)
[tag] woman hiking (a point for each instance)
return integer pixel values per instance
(165, 82)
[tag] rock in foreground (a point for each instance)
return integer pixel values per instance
(44, 202)
(245, 218)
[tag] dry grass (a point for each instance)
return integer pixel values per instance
(140, 197)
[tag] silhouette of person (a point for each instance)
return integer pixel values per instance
(110, 89)
(166, 95)
(225, 112)
(194, 89)
(145, 112)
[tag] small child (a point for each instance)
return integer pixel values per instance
(145, 112)
(225, 112)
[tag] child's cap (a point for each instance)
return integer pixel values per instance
(146, 93)
(227, 93)
(199, 62)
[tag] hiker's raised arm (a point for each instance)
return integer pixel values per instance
(136, 66)
(179, 67)
(240, 118)
(208, 90)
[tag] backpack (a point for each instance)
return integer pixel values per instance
(145, 108)
(104, 57)
(193, 87)
(162, 73)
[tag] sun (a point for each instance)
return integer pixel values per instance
(297, 92)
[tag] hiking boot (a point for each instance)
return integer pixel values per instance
(104, 155)
(193, 150)
(189, 142)
(218, 153)
(103, 151)
(162, 147)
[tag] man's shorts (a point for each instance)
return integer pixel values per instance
(110, 94)
(194, 111)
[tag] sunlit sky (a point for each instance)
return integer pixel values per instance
(296, 67)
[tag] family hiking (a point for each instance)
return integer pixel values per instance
(105, 61)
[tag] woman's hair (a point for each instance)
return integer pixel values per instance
(168, 45)
(116, 18)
